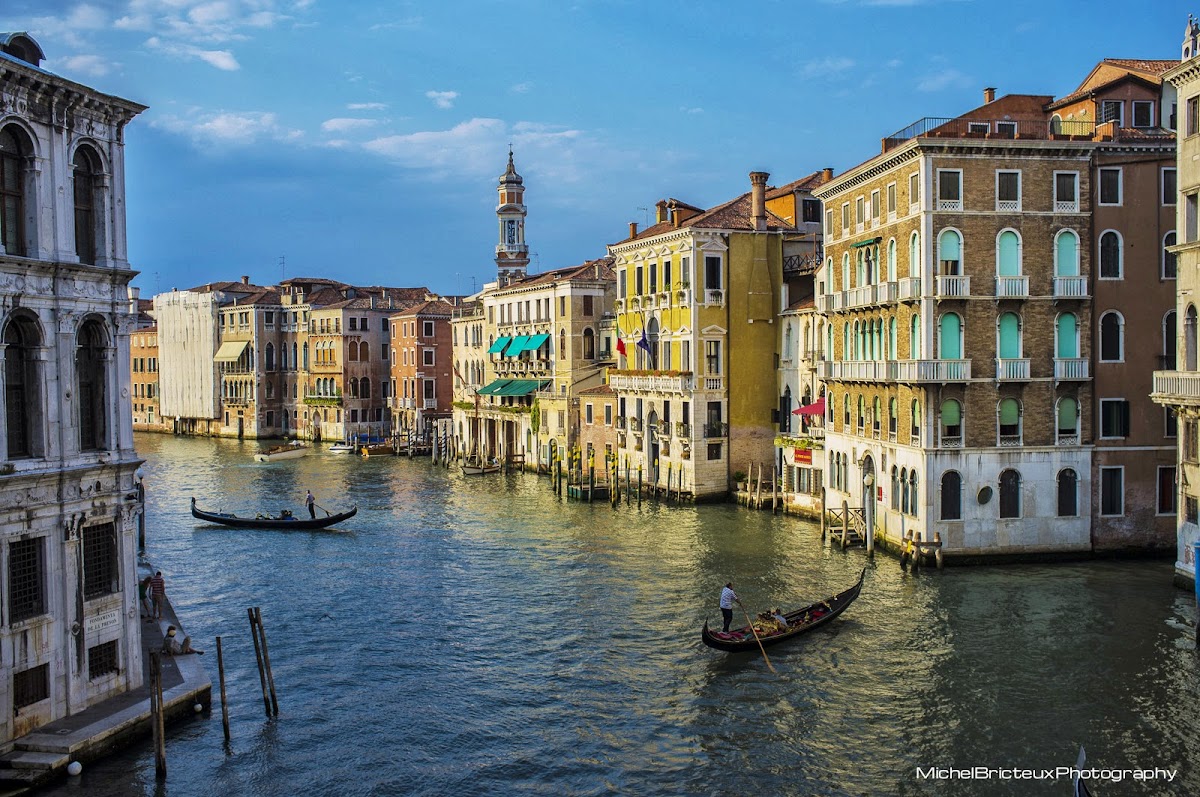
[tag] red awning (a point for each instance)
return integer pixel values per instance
(816, 408)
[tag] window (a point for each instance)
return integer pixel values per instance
(978, 127)
(22, 399)
(26, 580)
(427, 357)
(90, 372)
(102, 659)
(829, 223)
(1143, 113)
(1112, 491)
(1169, 266)
(1112, 334)
(845, 217)
(949, 189)
(875, 211)
(620, 285)
(654, 278)
(101, 568)
(950, 420)
(860, 212)
(31, 686)
(915, 412)
(1193, 116)
(951, 495)
(588, 307)
(589, 344)
(914, 188)
(1009, 421)
(1111, 111)
(1191, 505)
(1166, 504)
(12, 192)
(1068, 493)
(85, 170)
(427, 329)
(1008, 257)
(1008, 191)
(1189, 218)
(1110, 186)
(712, 357)
(1066, 192)
(1110, 255)
(1169, 187)
(1114, 418)
(1068, 421)
(712, 273)
(1010, 494)
(587, 414)
(608, 414)
(1006, 129)
(891, 199)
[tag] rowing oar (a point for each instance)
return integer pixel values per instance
(756, 639)
(323, 509)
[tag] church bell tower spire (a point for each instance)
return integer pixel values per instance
(512, 253)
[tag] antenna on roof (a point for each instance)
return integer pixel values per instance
(282, 266)
(645, 217)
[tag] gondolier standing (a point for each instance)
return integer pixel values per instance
(728, 598)
(311, 503)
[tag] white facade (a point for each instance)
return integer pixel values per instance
(70, 632)
(187, 343)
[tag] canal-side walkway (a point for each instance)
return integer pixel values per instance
(43, 755)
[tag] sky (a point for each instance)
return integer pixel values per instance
(362, 140)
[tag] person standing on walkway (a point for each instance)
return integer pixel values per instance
(728, 598)
(158, 593)
(147, 607)
(311, 503)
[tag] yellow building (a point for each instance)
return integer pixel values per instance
(697, 298)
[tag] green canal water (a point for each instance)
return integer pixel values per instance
(482, 636)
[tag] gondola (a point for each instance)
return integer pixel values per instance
(287, 521)
(800, 621)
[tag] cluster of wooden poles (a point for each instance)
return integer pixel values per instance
(571, 471)
(259, 634)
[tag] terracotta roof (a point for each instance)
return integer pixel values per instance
(800, 304)
(431, 307)
(227, 287)
(1091, 91)
(602, 390)
(583, 271)
(1153, 66)
(803, 184)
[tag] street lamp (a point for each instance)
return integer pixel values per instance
(868, 479)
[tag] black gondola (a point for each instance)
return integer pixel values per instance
(800, 621)
(287, 521)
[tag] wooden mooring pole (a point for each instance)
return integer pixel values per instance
(262, 673)
(221, 678)
(262, 632)
(845, 524)
(156, 715)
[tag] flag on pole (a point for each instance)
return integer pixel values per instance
(643, 343)
(620, 342)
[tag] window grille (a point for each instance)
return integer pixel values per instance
(25, 576)
(102, 660)
(100, 570)
(31, 686)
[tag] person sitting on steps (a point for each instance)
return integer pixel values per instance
(172, 647)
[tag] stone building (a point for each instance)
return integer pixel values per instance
(976, 384)
(70, 631)
(422, 370)
(143, 357)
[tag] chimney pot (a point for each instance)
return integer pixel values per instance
(758, 200)
(989, 95)
(633, 229)
(827, 173)
(245, 279)
(660, 211)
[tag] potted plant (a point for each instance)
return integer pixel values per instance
(739, 478)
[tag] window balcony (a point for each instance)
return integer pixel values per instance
(714, 296)
(232, 401)
(1012, 287)
(1009, 441)
(951, 441)
(950, 204)
(619, 306)
(895, 370)
(683, 430)
(635, 424)
(430, 404)
(1177, 388)
(651, 383)
(1012, 369)
(862, 296)
(620, 423)
(683, 295)
(908, 289)
(715, 430)
(714, 383)
(1070, 288)
(1067, 439)
(953, 287)
(1066, 206)
(1071, 369)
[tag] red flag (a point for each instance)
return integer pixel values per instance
(620, 346)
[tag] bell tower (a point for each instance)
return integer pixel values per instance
(512, 253)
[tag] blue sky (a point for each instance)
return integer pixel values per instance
(362, 139)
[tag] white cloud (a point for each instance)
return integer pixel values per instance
(92, 65)
(442, 99)
(825, 67)
(469, 147)
(688, 110)
(521, 88)
(366, 106)
(221, 59)
(344, 125)
(408, 23)
(205, 20)
(947, 79)
(228, 128)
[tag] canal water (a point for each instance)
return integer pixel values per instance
(481, 636)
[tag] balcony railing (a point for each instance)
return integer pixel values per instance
(1177, 387)
(1068, 369)
(895, 370)
(1070, 287)
(714, 383)
(953, 287)
(935, 127)
(712, 430)
(647, 383)
(1067, 439)
(635, 424)
(714, 296)
(1012, 369)
(231, 401)
(1012, 287)
(620, 422)
(908, 289)
(951, 441)
(683, 429)
(1009, 441)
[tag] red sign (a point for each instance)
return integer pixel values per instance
(803, 456)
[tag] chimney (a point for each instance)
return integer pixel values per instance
(758, 200)
(372, 301)
(660, 211)
(827, 174)
(245, 279)
(632, 230)
(989, 95)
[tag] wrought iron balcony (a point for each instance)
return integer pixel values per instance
(713, 430)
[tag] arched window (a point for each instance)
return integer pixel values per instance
(589, 345)
(893, 417)
(1067, 423)
(828, 275)
(914, 338)
(86, 168)
(1008, 412)
(904, 490)
(22, 398)
(352, 387)
(895, 489)
(12, 191)
(1009, 334)
(876, 416)
(1168, 258)
(891, 260)
(950, 422)
(915, 412)
(364, 388)
(1112, 337)
(1168, 339)
(914, 255)
(1066, 336)
(860, 268)
(1066, 254)
(295, 359)
(306, 355)
(845, 271)
(90, 370)
(270, 357)
(283, 358)
(950, 253)
(562, 347)
(1008, 254)
(891, 350)
(364, 351)
(913, 503)
(858, 341)
(862, 413)
(1068, 493)
(1189, 338)
(1110, 255)
(352, 352)
(846, 412)
(847, 341)
(951, 495)
(787, 341)
(1010, 494)
(950, 342)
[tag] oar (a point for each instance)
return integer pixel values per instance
(756, 639)
(323, 509)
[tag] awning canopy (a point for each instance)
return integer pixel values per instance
(535, 342)
(230, 351)
(499, 345)
(816, 408)
(521, 387)
(866, 242)
(492, 388)
(517, 346)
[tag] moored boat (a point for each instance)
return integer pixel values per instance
(799, 622)
(342, 447)
(285, 520)
(292, 450)
(476, 466)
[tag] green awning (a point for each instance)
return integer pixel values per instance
(867, 242)
(493, 388)
(521, 387)
(535, 342)
(1009, 412)
(517, 346)
(499, 345)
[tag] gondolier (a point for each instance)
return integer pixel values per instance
(728, 598)
(311, 503)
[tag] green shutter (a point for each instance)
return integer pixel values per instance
(951, 413)
(1068, 414)
(1009, 414)
(1008, 255)
(1068, 343)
